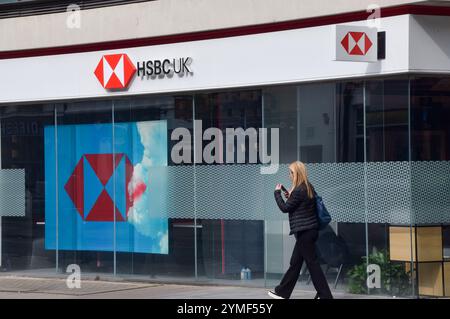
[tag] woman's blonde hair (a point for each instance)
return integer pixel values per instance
(300, 176)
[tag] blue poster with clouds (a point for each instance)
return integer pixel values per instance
(97, 192)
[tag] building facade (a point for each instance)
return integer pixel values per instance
(120, 147)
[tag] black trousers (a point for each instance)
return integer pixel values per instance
(304, 250)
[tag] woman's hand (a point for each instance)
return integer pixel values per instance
(279, 187)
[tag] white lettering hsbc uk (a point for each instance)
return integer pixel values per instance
(116, 71)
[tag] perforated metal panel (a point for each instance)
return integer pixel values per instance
(397, 192)
(221, 192)
(12, 192)
(430, 192)
(389, 192)
(341, 186)
(180, 192)
(242, 192)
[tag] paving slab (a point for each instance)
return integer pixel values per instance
(53, 288)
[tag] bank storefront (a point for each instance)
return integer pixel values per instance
(120, 161)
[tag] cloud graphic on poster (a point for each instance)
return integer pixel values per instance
(145, 215)
(163, 242)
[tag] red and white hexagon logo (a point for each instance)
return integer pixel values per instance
(115, 71)
(356, 43)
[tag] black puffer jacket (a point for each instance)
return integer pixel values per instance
(301, 209)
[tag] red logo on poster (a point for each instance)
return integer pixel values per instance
(90, 187)
(115, 71)
(356, 43)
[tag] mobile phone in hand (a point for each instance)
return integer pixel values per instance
(283, 188)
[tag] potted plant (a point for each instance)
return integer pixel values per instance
(395, 279)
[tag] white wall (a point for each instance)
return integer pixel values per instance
(429, 44)
(166, 17)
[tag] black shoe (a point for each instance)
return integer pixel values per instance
(316, 296)
(274, 295)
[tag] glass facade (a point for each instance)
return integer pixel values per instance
(157, 187)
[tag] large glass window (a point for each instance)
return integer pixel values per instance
(23, 207)
(157, 241)
(387, 127)
(81, 210)
(177, 188)
(229, 238)
(388, 183)
(430, 114)
(430, 201)
(321, 125)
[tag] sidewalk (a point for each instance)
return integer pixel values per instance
(44, 288)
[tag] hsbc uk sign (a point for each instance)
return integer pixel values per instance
(116, 71)
(354, 43)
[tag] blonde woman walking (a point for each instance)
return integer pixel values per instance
(301, 207)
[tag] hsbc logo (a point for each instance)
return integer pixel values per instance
(116, 71)
(91, 189)
(355, 43)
